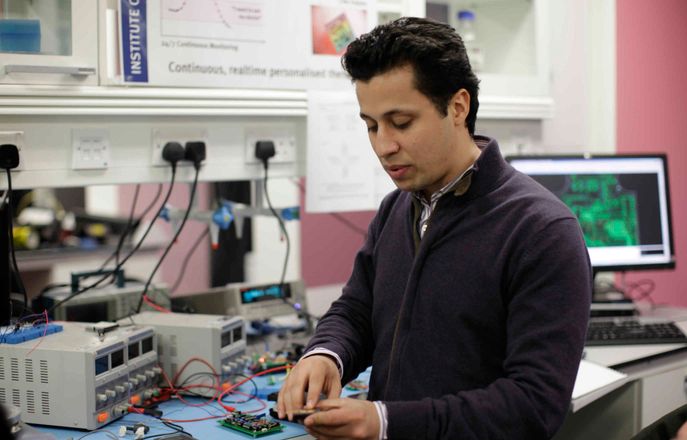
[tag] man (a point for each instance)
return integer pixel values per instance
(470, 296)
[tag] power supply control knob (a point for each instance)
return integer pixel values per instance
(141, 377)
(120, 389)
(133, 381)
(147, 394)
(157, 370)
(111, 394)
(101, 397)
(226, 369)
(150, 374)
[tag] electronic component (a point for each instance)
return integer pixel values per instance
(107, 303)
(77, 378)
(12, 416)
(254, 426)
(252, 301)
(219, 340)
(298, 415)
(28, 333)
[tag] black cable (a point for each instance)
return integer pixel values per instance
(52, 286)
(349, 224)
(193, 248)
(131, 253)
(128, 228)
(172, 241)
(20, 283)
(122, 237)
(282, 227)
(215, 377)
(215, 383)
(253, 394)
(177, 429)
(129, 224)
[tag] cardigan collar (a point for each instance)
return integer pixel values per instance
(490, 169)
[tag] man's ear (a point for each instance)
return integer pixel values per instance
(459, 107)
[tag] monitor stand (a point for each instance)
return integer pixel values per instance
(609, 302)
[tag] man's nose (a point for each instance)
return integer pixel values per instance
(385, 144)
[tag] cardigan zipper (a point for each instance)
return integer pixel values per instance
(400, 312)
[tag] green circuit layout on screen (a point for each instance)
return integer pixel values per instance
(607, 212)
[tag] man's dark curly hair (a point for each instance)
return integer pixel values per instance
(434, 51)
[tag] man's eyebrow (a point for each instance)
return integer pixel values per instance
(385, 115)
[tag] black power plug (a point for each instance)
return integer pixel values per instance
(9, 156)
(195, 152)
(173, 152)
(264, 150)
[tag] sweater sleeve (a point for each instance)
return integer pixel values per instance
(548, 294)
(346, 328)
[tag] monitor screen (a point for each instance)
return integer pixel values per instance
(622, 203)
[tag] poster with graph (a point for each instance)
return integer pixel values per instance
(275, 44)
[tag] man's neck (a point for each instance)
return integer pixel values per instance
(466, 161)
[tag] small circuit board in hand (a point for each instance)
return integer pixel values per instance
(255, 426)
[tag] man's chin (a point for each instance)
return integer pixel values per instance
(405, 186)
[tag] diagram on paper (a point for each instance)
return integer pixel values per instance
(214, 19)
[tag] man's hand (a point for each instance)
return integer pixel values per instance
(314, 374)
(344, 419)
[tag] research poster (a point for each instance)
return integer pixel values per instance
(275, 44)
(343, 172)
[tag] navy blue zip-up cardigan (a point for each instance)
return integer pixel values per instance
(477, 333)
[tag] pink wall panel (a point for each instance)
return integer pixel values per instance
(197, 275)
(329, 245)
(652, 112)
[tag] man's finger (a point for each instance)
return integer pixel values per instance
(314, 389)
(334, 390)
(280, 403)
(330, 418)
(330, 404)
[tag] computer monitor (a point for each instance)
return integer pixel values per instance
(621, 201)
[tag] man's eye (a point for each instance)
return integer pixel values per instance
(402, 125)
(371, 128)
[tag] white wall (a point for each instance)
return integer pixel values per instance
(582, 48)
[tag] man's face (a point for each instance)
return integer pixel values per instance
(417, 146)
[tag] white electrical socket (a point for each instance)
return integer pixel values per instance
(14, 138)
(182, 135)
(284, 148)
(90, 149)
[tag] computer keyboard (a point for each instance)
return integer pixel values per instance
(633, 331)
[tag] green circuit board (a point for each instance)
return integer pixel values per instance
(251, 425)
(606, 211)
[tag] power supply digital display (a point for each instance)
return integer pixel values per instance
(264, 293)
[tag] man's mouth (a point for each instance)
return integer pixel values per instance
(397, 171)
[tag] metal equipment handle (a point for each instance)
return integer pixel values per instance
(77, 276)
(61, 70)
